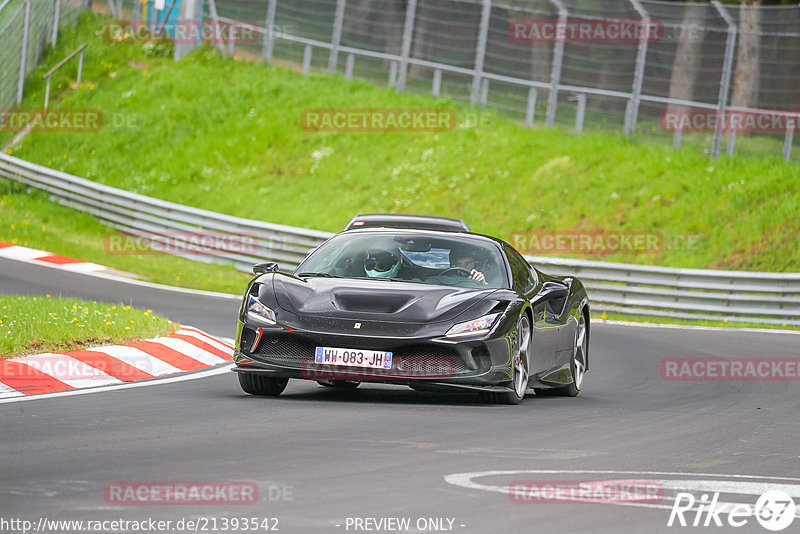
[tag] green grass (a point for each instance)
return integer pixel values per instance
(32, 325)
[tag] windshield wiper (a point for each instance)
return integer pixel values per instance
(321, 275)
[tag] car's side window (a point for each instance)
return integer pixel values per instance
(520, 271)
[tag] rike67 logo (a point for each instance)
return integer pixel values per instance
(774, 510)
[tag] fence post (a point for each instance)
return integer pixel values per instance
(638, 74)
(269, 36)
(581, 111)
(408, 34)
(727, 70)
(56, 19)
(436, 89)
(480, 50)
(23, 57)
(531, 109)
(336, 38)
(187, 11)
(307, 60)
(555, 69)
(349, 65)
(212, 9)
(787, 142)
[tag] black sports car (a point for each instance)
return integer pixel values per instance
(423, 308)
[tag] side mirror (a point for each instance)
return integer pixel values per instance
(552, 290)
(266, 267)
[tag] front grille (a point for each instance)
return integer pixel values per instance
(418, 360)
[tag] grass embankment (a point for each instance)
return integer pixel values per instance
(31, 325)
(226, 135)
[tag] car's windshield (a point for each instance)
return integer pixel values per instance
(459, 261)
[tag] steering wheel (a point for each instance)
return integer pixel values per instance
(456, 271)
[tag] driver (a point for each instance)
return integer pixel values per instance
(380, 263)
(466, 260)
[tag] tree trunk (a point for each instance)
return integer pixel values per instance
(687, 56)
(745, 79)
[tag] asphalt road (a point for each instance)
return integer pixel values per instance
(321, 456)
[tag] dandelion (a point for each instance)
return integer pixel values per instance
(113, 307)
(108, 323)
(48, 295)
(93, 152)
(9, 151)
(127, 328)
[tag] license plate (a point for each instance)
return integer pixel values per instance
(371, 359)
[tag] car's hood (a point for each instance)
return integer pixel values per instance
(375, 300)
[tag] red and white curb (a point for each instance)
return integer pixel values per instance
(31, 255)
(188, 349)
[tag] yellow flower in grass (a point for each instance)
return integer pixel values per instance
(108, 323)
(127, 328)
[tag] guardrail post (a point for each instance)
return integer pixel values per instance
(392, 73)
(555, 69)
(727, 70)
(23, 58)
(336, 38)
(408, 34)
(349, 66)
(80, 65)
(56, 19)
(787, 141)
(480, 50)
(638, 74)
(484, 92)
(306, 60)
(269, 36)
(436, 89)
(676, 137)
(531, 107)
(730, 145)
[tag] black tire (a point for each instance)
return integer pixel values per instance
(577, 364)
(262, 385)
(520, 370)
(339, 384)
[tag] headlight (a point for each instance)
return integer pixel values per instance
(476, 326)
(260, 311)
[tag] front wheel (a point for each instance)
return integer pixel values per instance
(519, 367)
(262, 385)
(577, 365)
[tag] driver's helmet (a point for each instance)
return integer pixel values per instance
(380, 263)
(465, 258)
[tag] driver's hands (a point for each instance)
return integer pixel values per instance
(477, 276)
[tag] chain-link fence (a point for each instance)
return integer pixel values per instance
(27, 27)
(716, 76)
(711, 75)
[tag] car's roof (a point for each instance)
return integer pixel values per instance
(406, 220)
(424, 231)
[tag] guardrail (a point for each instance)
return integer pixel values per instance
(769, 298)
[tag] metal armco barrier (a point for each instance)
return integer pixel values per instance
(769, 298)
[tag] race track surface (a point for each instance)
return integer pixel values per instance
(320, 456)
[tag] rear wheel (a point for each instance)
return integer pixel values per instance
(262, 385)
(519, 368)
